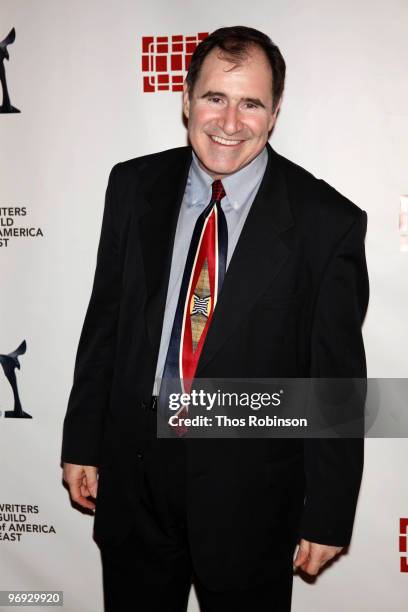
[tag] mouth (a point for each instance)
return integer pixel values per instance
(224, 142)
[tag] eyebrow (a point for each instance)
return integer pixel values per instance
(220, 94)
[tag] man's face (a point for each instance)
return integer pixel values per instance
(230, 112)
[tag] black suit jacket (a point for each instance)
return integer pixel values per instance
(292, 305)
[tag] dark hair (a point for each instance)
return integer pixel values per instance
(235, 42)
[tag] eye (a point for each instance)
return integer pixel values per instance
(251, 105)
(215, 99)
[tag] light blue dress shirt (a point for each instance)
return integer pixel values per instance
(240, 189)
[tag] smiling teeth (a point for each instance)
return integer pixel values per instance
(225, 142)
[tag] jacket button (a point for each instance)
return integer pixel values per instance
(139, 455)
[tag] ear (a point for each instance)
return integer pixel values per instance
(186, 100)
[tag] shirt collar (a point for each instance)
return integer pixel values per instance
(238, 186)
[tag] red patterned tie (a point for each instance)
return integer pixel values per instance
(203, 290)
(202, 280)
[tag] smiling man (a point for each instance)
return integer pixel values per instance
(221, 259)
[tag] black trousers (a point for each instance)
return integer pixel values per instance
(152, 569)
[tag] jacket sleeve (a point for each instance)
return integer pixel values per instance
(334, 466)
(95, 358)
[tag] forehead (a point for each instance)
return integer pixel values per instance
(253, 69)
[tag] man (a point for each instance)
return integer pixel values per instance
(224, 513)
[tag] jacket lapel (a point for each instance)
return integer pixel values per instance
(157, 228)
(259, 255)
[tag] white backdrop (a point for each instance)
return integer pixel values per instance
(75, 73)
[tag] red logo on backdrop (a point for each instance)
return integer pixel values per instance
(403, 542)
(166, 60)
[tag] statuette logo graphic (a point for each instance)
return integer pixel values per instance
(9, 363)
(6, 106)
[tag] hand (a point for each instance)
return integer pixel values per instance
(312, 556)
(82, 482)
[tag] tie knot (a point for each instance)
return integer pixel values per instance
(218, 191)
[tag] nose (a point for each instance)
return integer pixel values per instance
(230, 120)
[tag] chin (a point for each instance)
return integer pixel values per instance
(215, 167)
(220, 172)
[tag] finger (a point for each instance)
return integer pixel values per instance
(302, 553)
(318, 557)
(312, 563)
(312, 566)
(91, 478)
(79, 498)
(84, 491)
